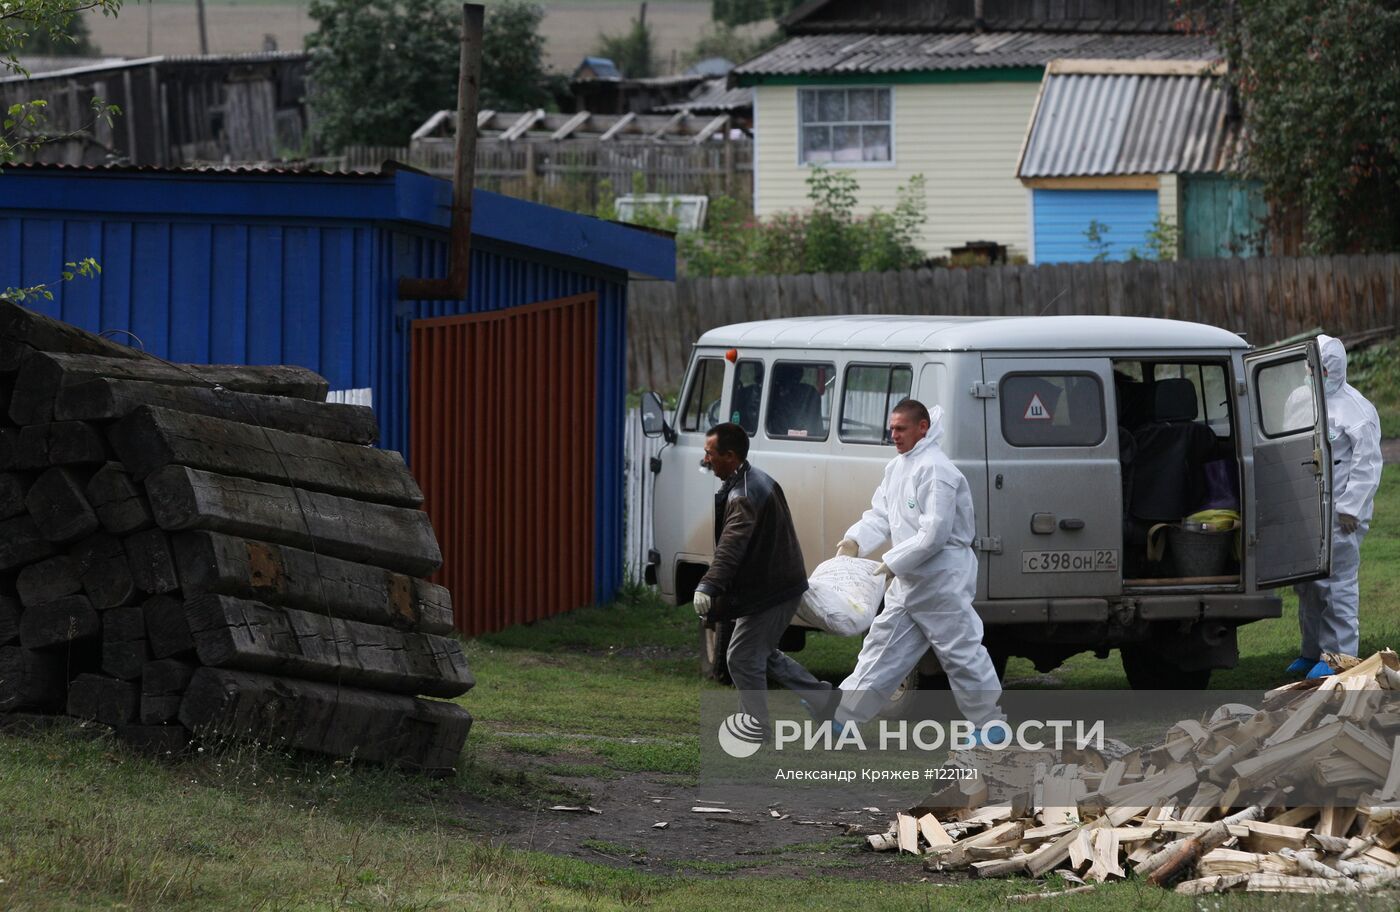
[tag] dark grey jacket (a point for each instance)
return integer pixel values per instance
(758, 562)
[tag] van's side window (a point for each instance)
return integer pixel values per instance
(746, 395)
(871, 390)
(1285, 396)
(1212, 393)
(799, 400)
(701, 411)
(1052, 410)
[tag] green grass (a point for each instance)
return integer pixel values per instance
(562, 706)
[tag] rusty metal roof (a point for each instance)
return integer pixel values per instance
(867, 52)
(1088, 124)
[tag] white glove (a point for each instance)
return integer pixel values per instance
(882, 570)
(702, 605)
(848, 548)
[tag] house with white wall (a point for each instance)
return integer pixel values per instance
(888, 89)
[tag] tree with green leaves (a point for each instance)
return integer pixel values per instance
(25, 24)
(513, 76)
(1319, 85)
(379, 68)
(634, 51)
(742, 12)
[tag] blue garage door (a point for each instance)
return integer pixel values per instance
(1063, 219)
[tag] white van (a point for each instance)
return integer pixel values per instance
(1085, 439)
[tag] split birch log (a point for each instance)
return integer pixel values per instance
(120, 506)
(43, 375)
(31, 680)
(150, 439)
(234, 633)
(394, 538)
(1177, 858)
(101, 699)
(213, 564)
(107, 399)
(423, 735)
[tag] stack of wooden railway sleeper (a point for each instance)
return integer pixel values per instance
(212, 550)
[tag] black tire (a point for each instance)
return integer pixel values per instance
(714, 644)
(1148, 669)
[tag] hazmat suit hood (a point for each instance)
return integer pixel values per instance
(1334, 362)
(935, 425)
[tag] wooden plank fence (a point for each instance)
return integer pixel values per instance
(570, 172)
(1264, 299)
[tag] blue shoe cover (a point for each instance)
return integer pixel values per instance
(1320, 670)
(1301, 665)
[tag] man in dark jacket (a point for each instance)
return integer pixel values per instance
(757, 576)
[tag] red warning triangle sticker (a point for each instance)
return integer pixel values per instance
(1036, 411)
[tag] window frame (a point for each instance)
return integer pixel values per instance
(891, 366)
(762, 392)
(696, 378)
(1258, 403)
(891, 162)
(1103, 409)
(769, 396)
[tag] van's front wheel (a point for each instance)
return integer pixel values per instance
(714, 643)
(1148, 669)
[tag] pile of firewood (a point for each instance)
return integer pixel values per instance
(204, 550)
(1302, 795)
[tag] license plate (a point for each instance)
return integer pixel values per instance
(1101, 560)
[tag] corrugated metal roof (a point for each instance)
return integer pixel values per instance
(960, 15)
(78, 66)
(925, 52)
(1102, 124)
(713, 97)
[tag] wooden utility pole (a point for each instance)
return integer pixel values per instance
(203, 29)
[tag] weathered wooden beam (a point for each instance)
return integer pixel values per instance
(44, 374)
(21, 544)
(395, 538)
(124, 648)
(120, 506)
(152, 564)
(59, 443)
(150, 439)
(66, 620)
(101, 699)
(23, 330)
(13, 489)
(9, 620)
(213, 564)
(49, 579)
(31, 680)
(163, 684)
(167, 630)
(250, 636)
(59, 506)
(106, 573)
(106, 399)
(423, 735)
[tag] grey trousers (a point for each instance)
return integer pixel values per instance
(754, 658)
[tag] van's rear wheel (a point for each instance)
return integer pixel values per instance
(714, 643)
(1148, 669)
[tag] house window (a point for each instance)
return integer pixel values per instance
(845, 125)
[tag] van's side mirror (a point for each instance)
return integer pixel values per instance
(654, 418)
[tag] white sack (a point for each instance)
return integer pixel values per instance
(843, 596)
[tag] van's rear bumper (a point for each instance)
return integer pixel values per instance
(1176, 607)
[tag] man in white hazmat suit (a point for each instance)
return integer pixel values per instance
(1328, 608)
(923, 506)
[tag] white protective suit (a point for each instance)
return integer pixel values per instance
(1327, 609)
(924, 507)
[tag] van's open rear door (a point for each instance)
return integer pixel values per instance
(1291, 490)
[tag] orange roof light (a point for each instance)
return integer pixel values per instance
(732, 355)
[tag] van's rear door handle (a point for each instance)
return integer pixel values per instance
(1071, 525)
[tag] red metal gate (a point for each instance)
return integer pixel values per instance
(503, 433)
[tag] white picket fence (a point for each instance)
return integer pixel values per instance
(638, 487)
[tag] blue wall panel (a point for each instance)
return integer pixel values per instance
(1062, 216)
